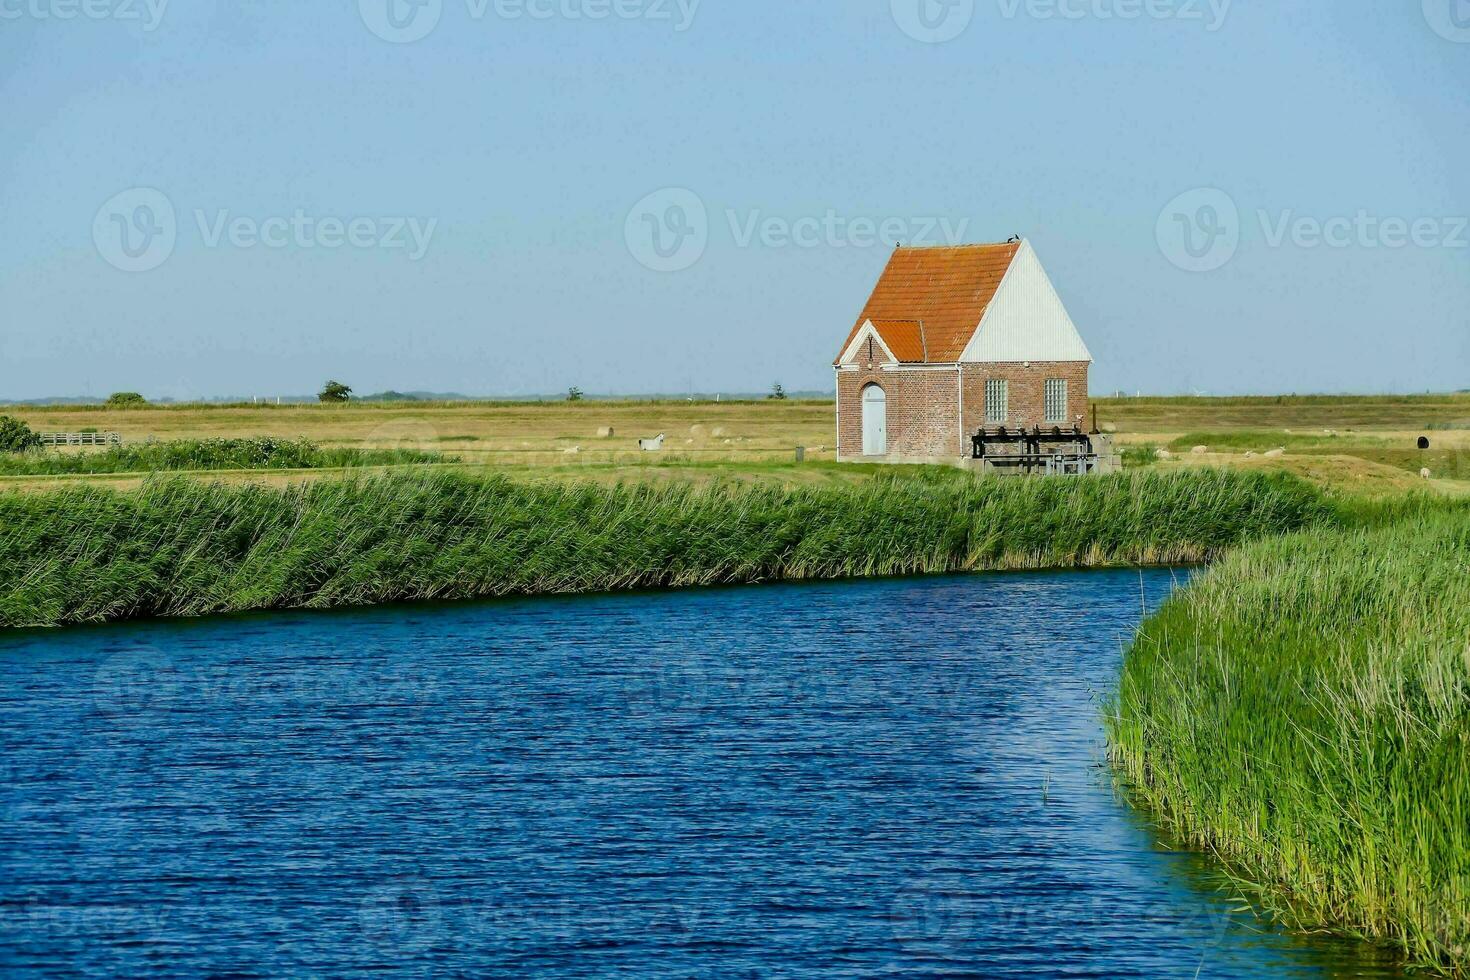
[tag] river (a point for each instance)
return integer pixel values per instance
(876, 778)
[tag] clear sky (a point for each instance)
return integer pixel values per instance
(208, 198)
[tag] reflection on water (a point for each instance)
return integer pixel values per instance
(871, 778)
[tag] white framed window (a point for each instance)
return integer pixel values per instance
(1056, 400)
(997, 400)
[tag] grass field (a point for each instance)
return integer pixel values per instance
(1372, 450)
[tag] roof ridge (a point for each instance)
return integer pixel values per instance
(936, 248)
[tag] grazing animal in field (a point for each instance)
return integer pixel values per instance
(1425, 473)
(652, 445)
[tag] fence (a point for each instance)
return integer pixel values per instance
(80, 439)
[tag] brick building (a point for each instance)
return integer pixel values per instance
(954, 340)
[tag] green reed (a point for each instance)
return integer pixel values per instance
(179, 547)
(1303, 712)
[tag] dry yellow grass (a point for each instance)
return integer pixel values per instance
(756, 440)
(490, 433)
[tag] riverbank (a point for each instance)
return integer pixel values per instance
(179, 547)
(1302, 711)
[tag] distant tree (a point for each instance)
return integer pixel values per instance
(778, 393)
(574, 394)
(334, 391)
(16, 436)
(125, 399)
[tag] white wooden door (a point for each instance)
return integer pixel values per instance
(875, 421)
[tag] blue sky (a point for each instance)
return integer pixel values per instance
(204, 199)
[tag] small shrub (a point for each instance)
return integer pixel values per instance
(125, 399)
(16, 436)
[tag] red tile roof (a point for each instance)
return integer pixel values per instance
(945, 289)
(905, 338)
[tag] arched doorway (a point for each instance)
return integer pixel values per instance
(875, 421)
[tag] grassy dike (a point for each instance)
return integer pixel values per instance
(1302, 711)
(178, 547)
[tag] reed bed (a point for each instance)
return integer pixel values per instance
(1303, 712)
(179, 547)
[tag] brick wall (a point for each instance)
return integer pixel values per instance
(1027, 392)
(924, 407)
(923, 411)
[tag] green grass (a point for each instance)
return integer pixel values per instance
(1302, 711)
(1443, 459)
(205, 454)
(179, 547)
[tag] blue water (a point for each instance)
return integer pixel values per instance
(890, 778)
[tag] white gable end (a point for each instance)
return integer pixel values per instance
(1026, 320)
(861, 338)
